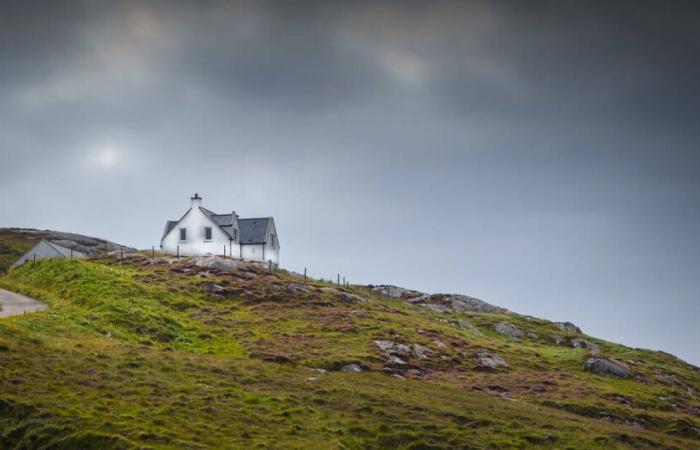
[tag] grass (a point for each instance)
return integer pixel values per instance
(140, 356)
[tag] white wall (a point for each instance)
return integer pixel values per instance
(195, 221)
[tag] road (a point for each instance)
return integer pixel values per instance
(14, 304)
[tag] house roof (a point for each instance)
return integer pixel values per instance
(251, 231)
(254, 231)
(65, 251)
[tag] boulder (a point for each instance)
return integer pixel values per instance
(466, 325)
(421, 351)
(221, 264)
(509, 330)
(556, 339)
(605, 366)
(584, 344)
(437, 308)
(213, 288)
(393, 347)
(567, 327)
(351, 368)
(486, 360)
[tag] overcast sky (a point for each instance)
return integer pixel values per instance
(542, 156)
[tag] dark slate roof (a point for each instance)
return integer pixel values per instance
(169, 225)
(254, 231)
(221, 220)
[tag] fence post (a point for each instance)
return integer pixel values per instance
(224, 251)
(71, 253)
(270, 265)
(34, 257)
(343, 281)
(121, 253)
(304, 273)
(338, 279)
(153, 251)
(178, 252)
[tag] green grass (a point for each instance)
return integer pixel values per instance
(133, 356)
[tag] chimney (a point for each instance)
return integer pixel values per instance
(196, 200)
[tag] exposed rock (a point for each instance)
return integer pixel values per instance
(213, 288)
(91, 246)
(319, 370)
(439, 343)
(533, 336)
(465, 324)
(582, 343)
(509, 330)
(421, 351)
(393, 347)
(605, 366)
(346, 297)
(359, 313)
(486, 360)
(351, 368)
(437, 308)
(436, 302)
(556, 339)
(567, 327)
(221, 264)
(296, 288)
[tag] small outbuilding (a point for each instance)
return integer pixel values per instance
(45, 249)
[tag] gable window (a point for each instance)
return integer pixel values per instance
(183, 234)
(207, 233)
(272, 239)
(235, 235)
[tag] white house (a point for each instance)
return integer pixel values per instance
(45, 249)
(201, 232)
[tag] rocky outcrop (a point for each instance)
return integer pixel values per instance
(466, 325)
(567, 327)
(486, 360)
(443, 303)
(91, 246)
(584, 344)
(509, 330)
(398, 353)
(605, 366)
(222, 264)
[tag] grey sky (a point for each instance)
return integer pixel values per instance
(542, 156)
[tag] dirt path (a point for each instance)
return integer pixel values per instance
(14, 304)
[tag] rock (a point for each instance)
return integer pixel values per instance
(221, 264)
(319, 370)
(296, 288)
(395, 359)
(465, 324)
(351, 368)
(398, 377)
(312, 379)
(486, 360)
(437, 308)
(393, 347)
(213, 288)
(567, 327)
(440, 302)
(582, 343)
(605, 366)
(358, 313)
(509, 330)
(439, 344)
(556, 339)
(421, 351)
(532, 336)
(346, 297)
(277, 357)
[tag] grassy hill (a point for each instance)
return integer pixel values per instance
(141, 353)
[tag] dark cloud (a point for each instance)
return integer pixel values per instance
(542, 155)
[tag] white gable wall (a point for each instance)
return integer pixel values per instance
(195, 221)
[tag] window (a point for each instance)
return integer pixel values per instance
(183, 234)
(272, 239)
(235, 235)
(207, 233)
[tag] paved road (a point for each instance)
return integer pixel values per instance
(14, 304)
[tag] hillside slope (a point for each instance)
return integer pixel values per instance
(213, 353)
